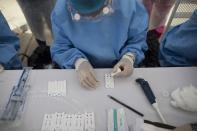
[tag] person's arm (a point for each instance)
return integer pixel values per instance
(67, 56)
(136, 43)
(63, 52)
(9, 44)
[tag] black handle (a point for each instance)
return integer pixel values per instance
(147, 90)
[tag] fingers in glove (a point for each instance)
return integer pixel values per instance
(89, 80)
(125, 70)
(173, 103)
(89, 83)
(93, 79)
(117, 71)
(85, 84)
(93, 76)
(131, 71)
(84, 80)
(92, 82)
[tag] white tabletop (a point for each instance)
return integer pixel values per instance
(162, 80)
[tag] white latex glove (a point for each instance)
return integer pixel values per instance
(86, 74)
(125, 65)
(185, 98)
(1, 68)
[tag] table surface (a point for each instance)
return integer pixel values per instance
(162, 80)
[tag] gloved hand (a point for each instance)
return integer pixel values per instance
(184, 128)
(125, 65)
(185, 98)
(86, 75)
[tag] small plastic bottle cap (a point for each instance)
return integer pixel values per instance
(106, 10)
(77, 16)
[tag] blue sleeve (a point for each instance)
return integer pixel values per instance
(63, 51)
(136, 42)
(9, 44)
(179, 44)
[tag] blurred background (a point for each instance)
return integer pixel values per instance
(177, 13)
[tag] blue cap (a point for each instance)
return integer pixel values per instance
(87, 6)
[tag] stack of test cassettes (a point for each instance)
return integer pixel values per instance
(69, 122)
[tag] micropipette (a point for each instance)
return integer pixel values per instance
(151, 97)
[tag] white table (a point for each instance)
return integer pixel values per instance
(162, 80)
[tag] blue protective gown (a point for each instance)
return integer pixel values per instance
(179, 46)
(9, 44)
(103, 41)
